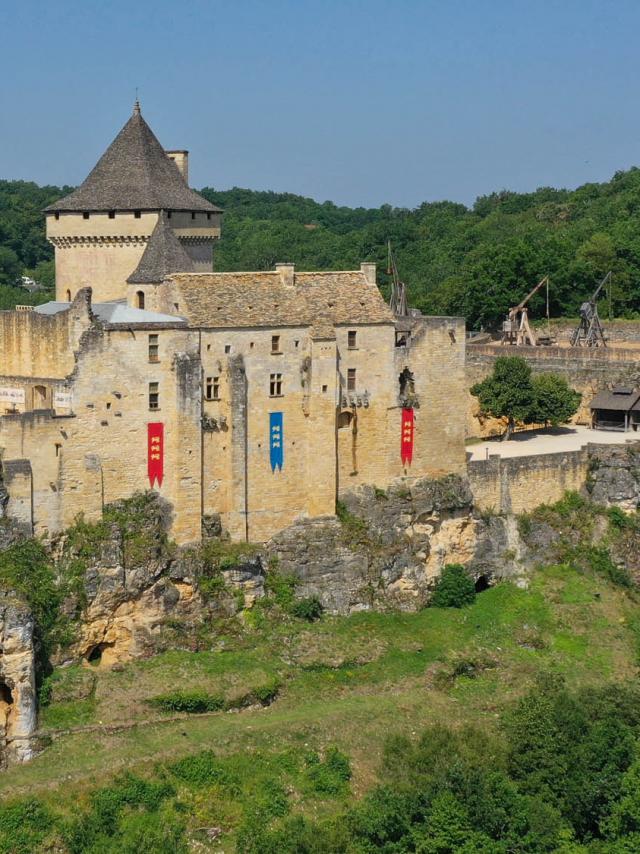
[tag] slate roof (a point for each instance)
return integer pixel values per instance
(114, 312)
(617, 400)
(163, 255)
(237, 300)
(134, 173)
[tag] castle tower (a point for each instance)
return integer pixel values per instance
(101, 230)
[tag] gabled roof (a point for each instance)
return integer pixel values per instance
(163, 255)
(619, 399)
(237, 300)
(134, 173)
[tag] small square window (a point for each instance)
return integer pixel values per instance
(275, 343)
(227, 348)
(154, 396)
(325, 389)
(153, 348)
(57, 214)
(212, 388)
(351, 379)
(112, 214)
(352, 339)
(137, 214)
(275, 385)
(85, 215)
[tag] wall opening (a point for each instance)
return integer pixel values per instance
(407, 383)
(39, 397)
(94, 654)
(6, 696)
(482, 583)
(139, 299)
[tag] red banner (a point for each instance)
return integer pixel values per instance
(406, 440)
(155, 452)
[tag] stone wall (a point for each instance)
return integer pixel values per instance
(586, 370)
(627, 331)
(518, 484)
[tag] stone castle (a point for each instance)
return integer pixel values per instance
(247, 400)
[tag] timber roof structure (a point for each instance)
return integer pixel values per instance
(163, 255)
(242, 300)
(134, 173)
(619, 399)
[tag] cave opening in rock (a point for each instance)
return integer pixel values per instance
(94, 655)
(5, 694)
(482, 583)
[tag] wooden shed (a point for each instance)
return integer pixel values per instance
(616, 409)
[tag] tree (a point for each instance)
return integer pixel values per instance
(454, 588)
(554, 401)
(507, 393)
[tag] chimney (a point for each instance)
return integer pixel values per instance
(287, 272)
(181, 158)
(368, 270)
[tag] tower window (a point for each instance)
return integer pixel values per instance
(193, 216)
(57, 214)
(153, 348)
(85, 215)
(351, 379)
(208, 216)
(112, 214)
(68, 295)
(352, 339)
(212, 388)
(139, 299)
(154, 396)
(227, 348)
(168, 214)
(275, 343)
(275, 385)
(137, 214)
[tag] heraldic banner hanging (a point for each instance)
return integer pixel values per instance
(276, 440)
(406, 440)
(155, 453)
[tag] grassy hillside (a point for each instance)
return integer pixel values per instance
(344, 686)
(471, 261)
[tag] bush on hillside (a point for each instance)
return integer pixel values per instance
(454, 588)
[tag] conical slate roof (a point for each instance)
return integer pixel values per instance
(163, 255)
(134, 173)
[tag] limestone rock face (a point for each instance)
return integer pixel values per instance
(390, 548)
(614, 476)
(18, 714)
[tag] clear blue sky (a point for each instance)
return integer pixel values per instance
(362, 103)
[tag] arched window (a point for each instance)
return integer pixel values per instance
(68, 296)
(140, 299)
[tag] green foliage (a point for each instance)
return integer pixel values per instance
(24, 825)
(328, 776)
(454, 588)
(204, 769)
(355, 530)
(188, 701)
(508, 391)
(281, 586)
(309, 609)
(554, 402)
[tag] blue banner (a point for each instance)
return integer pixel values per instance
(276, 440)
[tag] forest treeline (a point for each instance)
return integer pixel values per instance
(475, 262)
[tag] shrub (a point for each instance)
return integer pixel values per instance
(188, 701)
(24, 826)
(203, 769)
(282, 587)
(309, 609)
(331, 775)
(454, 588)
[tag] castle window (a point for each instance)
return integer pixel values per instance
(112, 214)
(275, 385)
(275, 344)
(227, 348)
(193, 216)
(68, 295)
(325, 389)
(153, 348)
(212, 388)
(85, 215)
(296, 343)
(139, 299)
(168, 214)
(208, 216)
(351, 379)
(137, 214)
(57, 214)
(154, 396)
(352, 339)
(58, 447)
